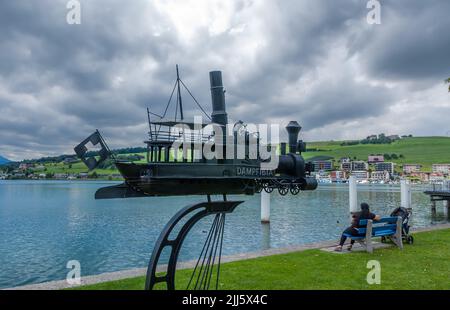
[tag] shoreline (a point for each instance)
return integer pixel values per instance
(136, 272)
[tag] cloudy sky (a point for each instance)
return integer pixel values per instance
(318, 62)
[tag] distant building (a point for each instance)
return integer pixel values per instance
(441, 168)
(359, 166)
(436, 178)
(375, 159)
(70, 160)
(83, 175)
(60, 176)
(325, 165)
(337, 176)
(361, 175)
(25, 166)
(346, 166)
(380, 176)
(422, 176)
(386, 166)
(411, 168)
(354, 166)
(393, 137)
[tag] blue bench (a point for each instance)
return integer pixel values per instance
(390, 227)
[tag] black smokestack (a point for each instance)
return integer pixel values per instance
(293, 128)
(218, 115)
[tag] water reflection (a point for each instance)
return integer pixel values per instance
(45, 224)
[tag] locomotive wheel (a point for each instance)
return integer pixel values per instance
(294, 189)
(267, 187)
(283, 190)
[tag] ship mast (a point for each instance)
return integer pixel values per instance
(180, 102)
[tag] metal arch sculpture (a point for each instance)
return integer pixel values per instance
(211, 247)
(160, 176)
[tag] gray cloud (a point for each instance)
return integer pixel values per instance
(315, 61)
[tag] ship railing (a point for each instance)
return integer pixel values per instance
(168, 136)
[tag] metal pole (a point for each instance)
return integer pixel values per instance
(444, 188)
(265, 207)
(353, 195)
(265, 237)
(448, 209)
(405, 191)
(433, 208)
(179, 95)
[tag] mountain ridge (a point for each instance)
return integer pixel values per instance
(4, 160)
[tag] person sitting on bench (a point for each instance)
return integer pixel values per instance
(364, 214)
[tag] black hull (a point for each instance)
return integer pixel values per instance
(150, 180)
(174, 187)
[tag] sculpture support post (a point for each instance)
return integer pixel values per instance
(265, 207)
(446, 203)
(405, 190)
(201, 278)
(433, 208)
(353, 195)
(448, 209)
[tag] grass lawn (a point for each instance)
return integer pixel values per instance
(424, 265)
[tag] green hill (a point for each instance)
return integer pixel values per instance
(419, 150)
(416, 150)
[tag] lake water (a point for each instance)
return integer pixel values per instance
(44, 224)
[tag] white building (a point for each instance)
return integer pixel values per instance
(338, 176)
(441, 168)
(60, 176)
(436, 178)
(411, 168)
(361, 175)
(380, 176)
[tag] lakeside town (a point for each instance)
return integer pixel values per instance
(375, 170)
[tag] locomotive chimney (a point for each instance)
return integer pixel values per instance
(218, 115)
(293, 129)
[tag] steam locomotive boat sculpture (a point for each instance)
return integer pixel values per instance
(165, 175)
